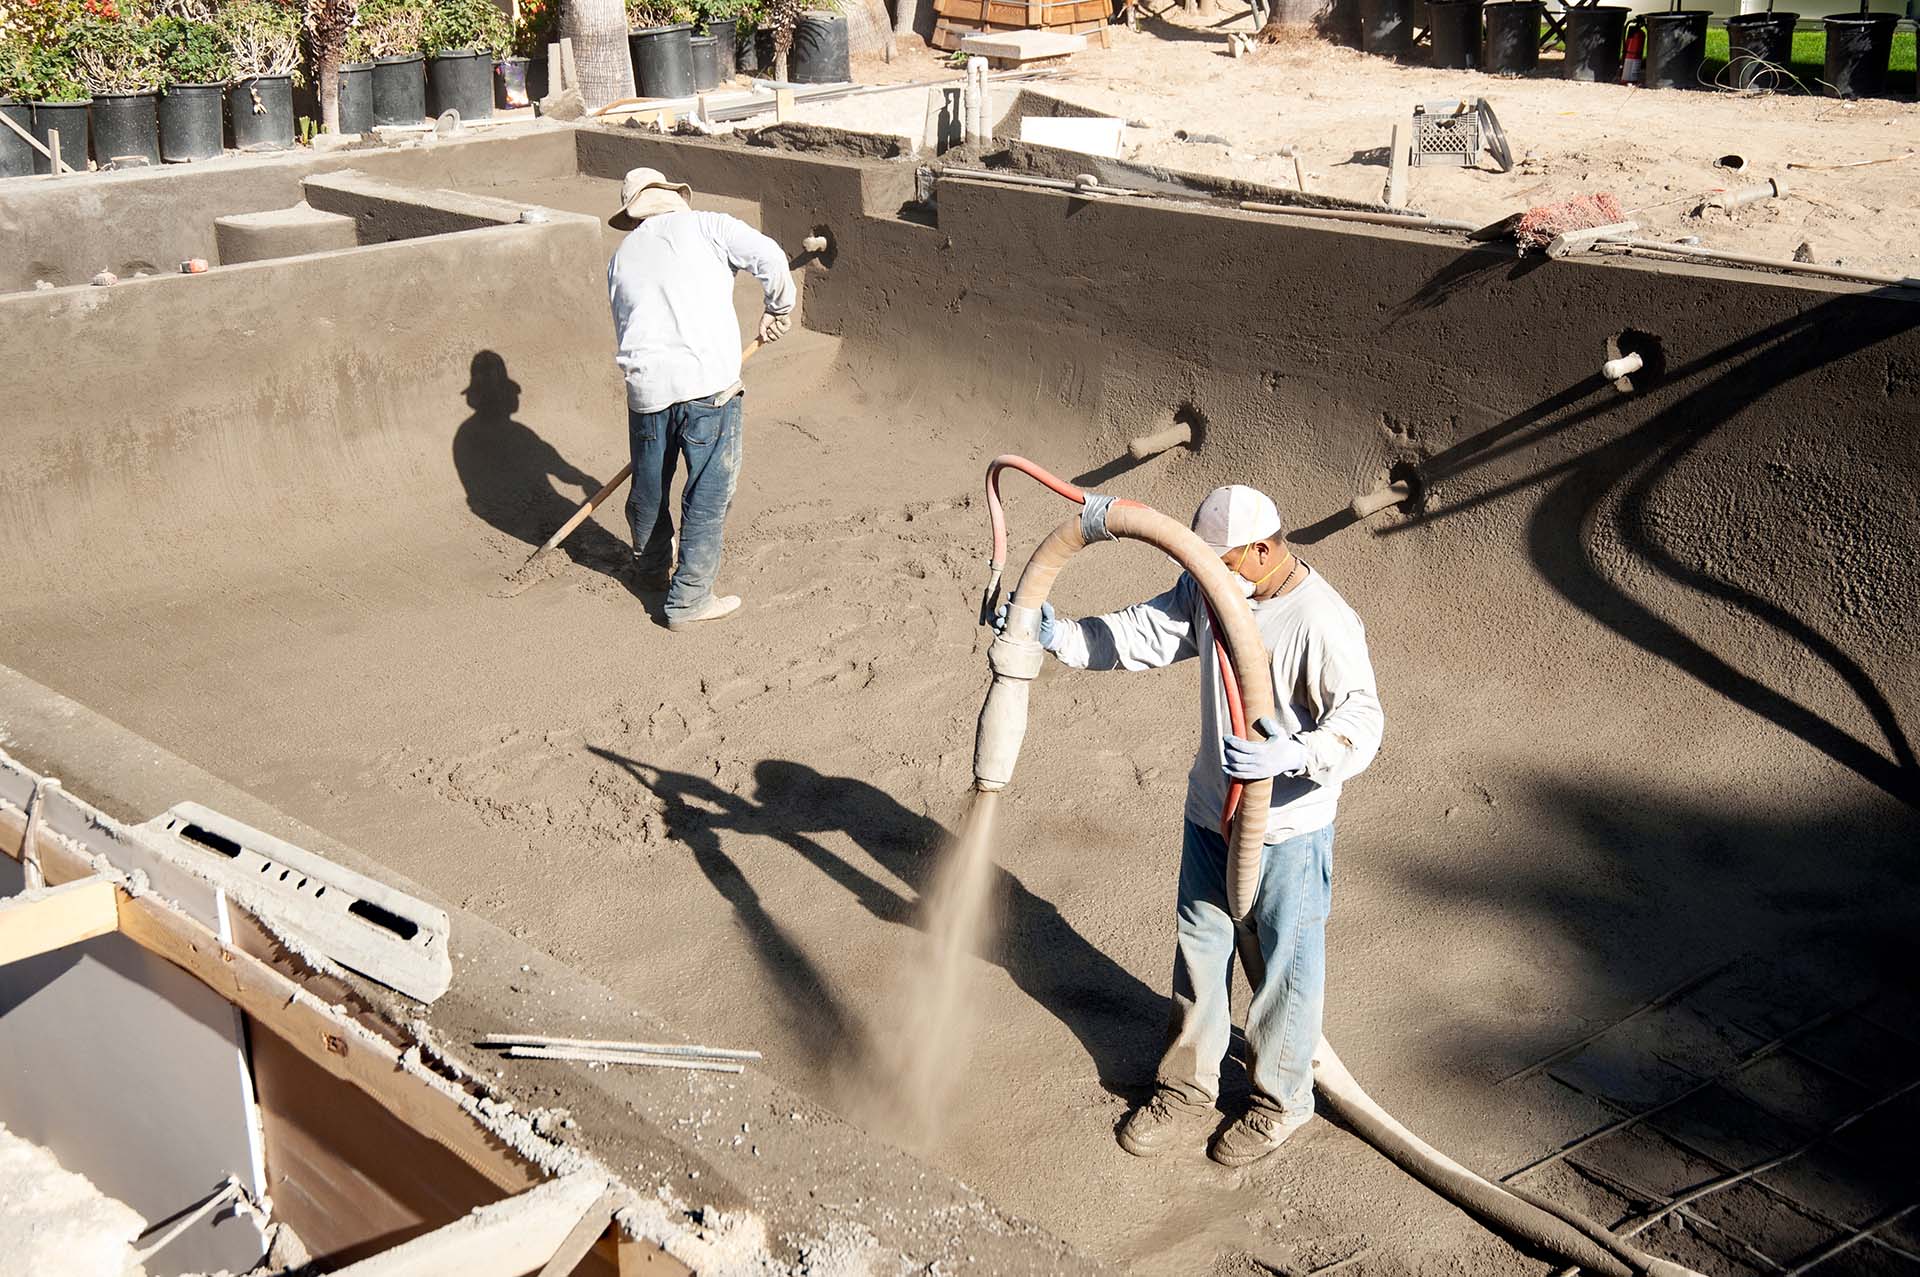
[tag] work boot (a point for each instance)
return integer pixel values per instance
(1256, 1134)
(713, 609)
(1160, 1123)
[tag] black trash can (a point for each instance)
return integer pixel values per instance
(1513, 36)
(820, 52)
(1594, 38)
(1676, 46)
(16, 157)
(125, 126)
(461, 80)
(1756, 42)
(1858, 47)
(260, 112)
(1386, 27)
(399, 89)
(69, 120)
(356, 97)
(192, 122)
(663, 60)
(727, 32)
(1455, 32)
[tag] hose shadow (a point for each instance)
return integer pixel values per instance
(1618, 481)
(1114, 1015)
(508, 472)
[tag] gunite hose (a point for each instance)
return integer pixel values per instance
(1531, 1224)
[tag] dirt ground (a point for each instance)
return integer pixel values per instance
(1655, 150)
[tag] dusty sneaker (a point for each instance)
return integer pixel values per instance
(1160, 1123)
(1251, 1138)
(714, 608)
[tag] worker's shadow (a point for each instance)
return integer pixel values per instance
(1116, 1017)
(509, 471)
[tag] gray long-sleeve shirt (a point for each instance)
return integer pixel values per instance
(1322, 680)
(671, 284)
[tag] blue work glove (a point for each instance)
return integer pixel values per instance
(1048, 632)
(1277, 755)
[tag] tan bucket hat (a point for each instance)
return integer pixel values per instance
(645, 192)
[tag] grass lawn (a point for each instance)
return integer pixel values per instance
(1810, 57)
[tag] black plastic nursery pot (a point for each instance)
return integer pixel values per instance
(192, 123)
(1756, 38)
(706, 63)
(399, 89)
(1455, 32)
(727, 32)
(1858, 47)
(1595, 34)
(820, 51)
(356, 97)
(663, 60)
(756, 51)
(1513, 36)
(16, 157)
(1676, 46)
(125, 127)
(69, 120)
(1386, 27)
(461, 80)
(260, 112)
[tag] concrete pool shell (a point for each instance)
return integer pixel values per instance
(1647, 799)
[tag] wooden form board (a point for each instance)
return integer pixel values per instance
(948, 35)
(1024, 13)
(39, 922)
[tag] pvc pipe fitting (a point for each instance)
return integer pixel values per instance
(1625, 366)
(1772, 188)
(814, 244)
(1372, 503)
(1179, 434)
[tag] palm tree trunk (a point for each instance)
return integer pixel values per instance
(598, 29)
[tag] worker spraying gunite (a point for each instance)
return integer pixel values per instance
(1328, 730)
(671, 285)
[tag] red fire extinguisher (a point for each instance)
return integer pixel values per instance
(1633, 67)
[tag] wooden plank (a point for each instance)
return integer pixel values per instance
(507, 1239)
(581, 1240)
(54, 917)
(1396, 196)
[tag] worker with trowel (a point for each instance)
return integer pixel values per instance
(1329, 730)
(678, 343)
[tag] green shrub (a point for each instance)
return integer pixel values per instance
(465, 24)
(14, 55)
(192, 51)
(642, 14)
(533, 28)
(116, 55)
(386, 29)
(263, 38)
(47, 74)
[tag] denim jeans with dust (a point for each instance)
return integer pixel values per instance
(708, 439)
(1282, 942)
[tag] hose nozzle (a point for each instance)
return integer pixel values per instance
(1015, 658)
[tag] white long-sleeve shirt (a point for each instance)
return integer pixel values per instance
(671, 284)
(1322, 679)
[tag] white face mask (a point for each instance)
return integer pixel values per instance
(1246, 587)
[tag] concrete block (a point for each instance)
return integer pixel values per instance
(281, 232)
(1090, 135)
(1022, 46)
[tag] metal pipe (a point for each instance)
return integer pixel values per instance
(1418, 220)
(1696, 253)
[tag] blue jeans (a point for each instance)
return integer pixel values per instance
(709, 439)
(1283, 944)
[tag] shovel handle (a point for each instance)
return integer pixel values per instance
(612, 486)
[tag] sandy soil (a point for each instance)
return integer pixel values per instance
(1654, 150)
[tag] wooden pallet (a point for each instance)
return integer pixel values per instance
(1011, 14)
(948, 35)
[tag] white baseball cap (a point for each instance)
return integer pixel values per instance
(1235, 515)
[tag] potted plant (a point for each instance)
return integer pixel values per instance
(121, 66)
(722, 20)
(195, 65)
(461, 38)
(60, 102)
(356, 78)
(661, 43)
(16, 157)
(523, 73)
(263, 38)
(389, 32)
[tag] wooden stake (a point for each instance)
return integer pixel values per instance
(569, 72)
(37, 922)
(783, 104)
(1396, 196)
(53, 153)
(585, 1233)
